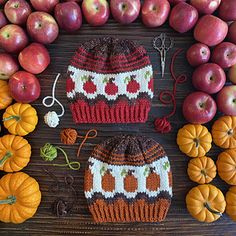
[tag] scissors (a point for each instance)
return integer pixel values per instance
(159, 43)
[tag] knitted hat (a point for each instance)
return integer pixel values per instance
(110, 81)
(128, 179)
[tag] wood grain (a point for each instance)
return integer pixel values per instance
(79, 222)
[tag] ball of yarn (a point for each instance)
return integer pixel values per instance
(68, 136)
(162, 125)
(51, 119)
(48, 152)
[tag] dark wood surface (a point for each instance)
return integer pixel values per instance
(79, 222)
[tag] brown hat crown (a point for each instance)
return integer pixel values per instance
(130, 150)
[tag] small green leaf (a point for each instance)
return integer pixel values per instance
(105, 80)
(84, 78)
(166, 165)
(124, 172)
(102, 170)
(127, 79)
(147, 74)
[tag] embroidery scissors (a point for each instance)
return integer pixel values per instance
(160, 44)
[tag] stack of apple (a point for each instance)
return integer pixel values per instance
(212, 56)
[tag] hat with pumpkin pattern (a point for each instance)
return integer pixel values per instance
(128, 179)
(110, 80)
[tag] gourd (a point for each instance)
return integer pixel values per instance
(194, 140)
(205, 202)
(20, 119)
(20, 197)
(224, 132)
(231, 203)
(5, 97)
(201, 170)
(15, 153)
(226, 163)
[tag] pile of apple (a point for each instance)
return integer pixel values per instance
(26, 27)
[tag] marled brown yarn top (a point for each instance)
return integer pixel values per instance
(109, 46)
(128, 149)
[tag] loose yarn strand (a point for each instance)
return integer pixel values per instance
(163, 125)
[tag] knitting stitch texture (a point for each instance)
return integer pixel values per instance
(128, 179)
(110, 80)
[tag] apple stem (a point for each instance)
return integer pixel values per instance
(17, 118)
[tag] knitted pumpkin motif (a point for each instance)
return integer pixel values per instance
(88, 184)
(152, 180)
(132, 180)
(108, 181)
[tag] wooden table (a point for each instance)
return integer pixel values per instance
(79, 222)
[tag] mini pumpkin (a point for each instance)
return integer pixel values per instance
(15, 153)
(5, 97)
(194, 140)
(224, 132)
(231, 203)
(20, 119)
(201, 170)
(20, 197)
(205, 202)
(226, 164)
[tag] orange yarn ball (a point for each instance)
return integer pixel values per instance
(68, 136)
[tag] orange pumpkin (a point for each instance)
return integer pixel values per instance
(201, 170)
(15, 153)
(224, 132)
(20, 119)
(5, 97)
(205, 202)
(20, 197)
(226, 165)
(231, 203)
(194, 140)
(108, 180)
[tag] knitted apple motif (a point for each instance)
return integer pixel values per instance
(152, 179)
(89, 86)
(111, 88)
(148, 75)
(132, 85)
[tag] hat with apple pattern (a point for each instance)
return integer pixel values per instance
(110, 80)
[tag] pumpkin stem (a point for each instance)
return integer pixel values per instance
(211, 210)
(17, 118)
(5, 157)
(196, 140)
(230, 132)
(10, 200)
(204, 173)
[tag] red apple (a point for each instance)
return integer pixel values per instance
(227, 10)
(42, 27)
(3, 19)
(17, 11)
(224, 54)
(96, 12)
(13, 38)
(174, 2)
(232, 74)
(24, 87)
(155, 12)
(226, 100)
(34, 58)
(125, 11)
(209, 78)
(198, 54)
(232, 33)
(210, 30)
(205, 6)
(44, 5)
(183, 17)
(68, 16)
(8, 66)
(199, 108)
